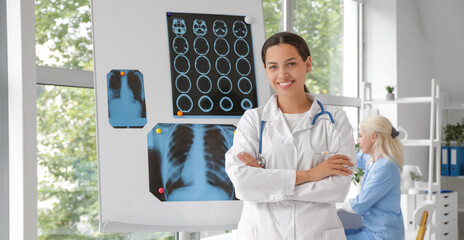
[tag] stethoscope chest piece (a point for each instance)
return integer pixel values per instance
(261, 161)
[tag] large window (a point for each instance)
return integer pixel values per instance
(63, 34)
(66, 135)
(320, 22)
(329, 27)
(67, 171)
(272, 16)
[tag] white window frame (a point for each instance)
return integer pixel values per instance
(64, 77)
(21, 126)
(4, 164)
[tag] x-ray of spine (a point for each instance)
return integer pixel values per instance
(126, 99)
(186, 162)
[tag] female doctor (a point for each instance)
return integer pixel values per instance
(292, 159)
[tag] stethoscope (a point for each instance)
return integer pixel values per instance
(261, 161)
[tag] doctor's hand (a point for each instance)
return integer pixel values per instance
(335, 165)
(248, 160)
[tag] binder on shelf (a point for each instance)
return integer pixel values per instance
(456, 161)
(445, 160)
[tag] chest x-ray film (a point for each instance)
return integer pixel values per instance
(126, 99)
(186, 162)
(212, 67)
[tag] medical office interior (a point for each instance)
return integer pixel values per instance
(73, 166)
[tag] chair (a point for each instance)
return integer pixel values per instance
(423, 216)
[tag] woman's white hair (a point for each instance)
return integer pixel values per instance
(387, 144)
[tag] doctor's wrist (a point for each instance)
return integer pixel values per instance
(304, 176)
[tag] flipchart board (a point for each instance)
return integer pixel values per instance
(172, 79)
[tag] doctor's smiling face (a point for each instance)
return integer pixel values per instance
(286, 69)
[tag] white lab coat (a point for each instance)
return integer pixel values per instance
(274, 208)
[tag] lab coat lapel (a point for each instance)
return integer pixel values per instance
(275, 119)
(282, 128)
(306, 121)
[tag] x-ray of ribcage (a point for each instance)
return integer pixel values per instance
(186, 162)
(212, 67)
(126, 99)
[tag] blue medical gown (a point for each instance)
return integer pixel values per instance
(379, 202)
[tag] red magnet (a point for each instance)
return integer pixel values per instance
(161, 190)
(180, 113)
(122, 73)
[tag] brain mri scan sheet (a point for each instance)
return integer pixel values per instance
(126, 99)
(186, 162)
(212, 66)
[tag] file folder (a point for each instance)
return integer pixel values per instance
(445, 155)
(456, 161)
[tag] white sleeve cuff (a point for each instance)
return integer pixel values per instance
(290, 179)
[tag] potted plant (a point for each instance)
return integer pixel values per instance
(358, 172)
(410, 175)
(453, 136)
(390, 94)
(448, 134)
(416, 177)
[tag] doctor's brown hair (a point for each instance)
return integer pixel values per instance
(288, 38)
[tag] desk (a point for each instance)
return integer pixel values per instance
(349, 220)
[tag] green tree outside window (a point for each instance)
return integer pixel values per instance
(320, 23)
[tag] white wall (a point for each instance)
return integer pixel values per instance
(380, 50)
(443, 26)
(407, 43)
(430, 45)
(443, 23)
(414, 79)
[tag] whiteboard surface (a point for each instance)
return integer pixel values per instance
(133, 35)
